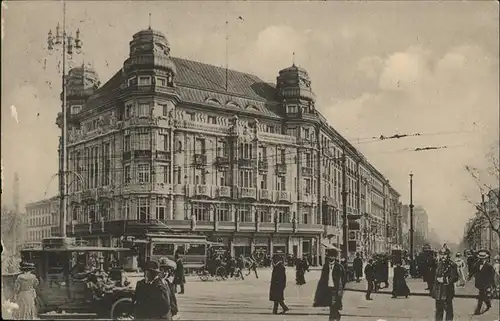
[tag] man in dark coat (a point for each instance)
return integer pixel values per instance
(443, 290)
(370, 279)
(471, 262)
(278, 285)
(330, 289)
(167, 268)
(484, 281)
(152, 297)
(431, 266)
(179, 277)
(358, 267)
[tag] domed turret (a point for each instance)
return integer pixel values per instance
(150, 50)
(294, 87)
(82, 82)
(293, 83)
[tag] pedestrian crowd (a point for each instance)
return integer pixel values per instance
(156, 294)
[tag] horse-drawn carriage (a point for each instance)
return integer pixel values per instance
(76, 278)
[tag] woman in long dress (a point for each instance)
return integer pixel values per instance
(461, 269)
(399, 286)
(24, 292)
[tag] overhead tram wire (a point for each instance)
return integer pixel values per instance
(268, 157)
(373, 139)
(336, 161)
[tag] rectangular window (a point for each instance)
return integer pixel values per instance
(222, 149)
(144, 142)
(292, 109)
(263, 181)
(132, 81)
(126, 143)
(178, 175)
(308, 160)
(143, 173)
(189, 116)
(202, 212)
(199, 146)
(307, 185)
(246, 178)
(262, 153)
(282, 183)
(305, 218)
(126, 208)
(76, 109)
(144, 80)
(128, 111)
(106, 155)
(244, 214)
(164, 175)
(143, 209)
(144, 110)
(162, 82)
(245, 151)
(223, 214)
(161, 210)
(212, 120)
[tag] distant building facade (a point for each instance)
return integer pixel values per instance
(42, 219)
(478, 233)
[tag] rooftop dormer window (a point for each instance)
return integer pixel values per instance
(162, 82)
(144, 80)
(132, 81)
(292, 109)
(76, 109)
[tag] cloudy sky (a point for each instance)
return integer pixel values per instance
(377, 69)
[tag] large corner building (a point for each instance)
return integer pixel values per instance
(170, 144)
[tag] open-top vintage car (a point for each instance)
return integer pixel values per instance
(76, 278)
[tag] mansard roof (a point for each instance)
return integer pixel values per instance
(196, 80)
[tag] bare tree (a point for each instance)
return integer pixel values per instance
(484, 180)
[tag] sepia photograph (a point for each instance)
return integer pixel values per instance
(250, 160)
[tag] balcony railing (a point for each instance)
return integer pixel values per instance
(307, 171)
(163, 155)
(203, 190)
(246, 163)
(265, 194)
(200, 160)
(283, 196)
(222, 161)
(142, 153)
(248, 192)
(224, 191)
(281, 169)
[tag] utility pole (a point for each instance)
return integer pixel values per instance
(67, 42)
(411, 217)
(345, 226)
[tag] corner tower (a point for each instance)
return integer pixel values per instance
(149, 61)
(294, 88)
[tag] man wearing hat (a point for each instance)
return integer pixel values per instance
(168, 268)
(443, 290)
(370, 278)
(330, 289)
(278, 284)
(484, 281)
(152, 296)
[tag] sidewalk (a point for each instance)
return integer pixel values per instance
(417, 287)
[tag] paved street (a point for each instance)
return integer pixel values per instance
(248, 300)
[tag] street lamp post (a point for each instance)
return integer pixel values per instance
(67, 42)
(411, 217)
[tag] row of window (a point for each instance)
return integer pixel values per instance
(40, 221)
(37, 235)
